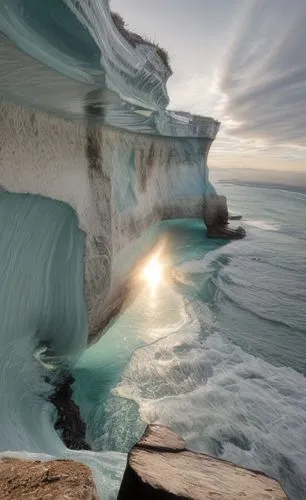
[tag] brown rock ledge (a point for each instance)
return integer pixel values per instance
(35, 480)
(160, 467)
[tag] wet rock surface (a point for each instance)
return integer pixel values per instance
(35, 480)
(160, 467)
(69, 422)
(224, 232)
(216, 218)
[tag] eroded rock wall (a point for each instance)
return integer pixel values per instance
(119, 183)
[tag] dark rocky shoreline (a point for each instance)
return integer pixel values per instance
(69, 422)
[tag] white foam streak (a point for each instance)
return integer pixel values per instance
(223, 401)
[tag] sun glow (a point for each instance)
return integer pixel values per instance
(153, 273)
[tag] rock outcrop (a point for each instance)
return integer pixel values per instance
(216, 218)
(34, 480)
(69, 421)
(160, 467)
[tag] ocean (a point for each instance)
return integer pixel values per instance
(218, 353)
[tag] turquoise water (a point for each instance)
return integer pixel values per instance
(219, 354)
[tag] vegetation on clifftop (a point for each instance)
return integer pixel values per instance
(134, 38)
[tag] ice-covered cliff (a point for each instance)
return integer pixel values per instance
(84, 121)
(119, 184)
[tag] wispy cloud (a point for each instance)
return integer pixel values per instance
(263, 76)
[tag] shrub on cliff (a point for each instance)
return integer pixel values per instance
(134, 38)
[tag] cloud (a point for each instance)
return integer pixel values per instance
(193, 93)
(263, 73)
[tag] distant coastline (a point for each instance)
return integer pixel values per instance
(272, 179)
(268, 185)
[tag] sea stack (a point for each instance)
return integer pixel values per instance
(216, 218)
(161, 468)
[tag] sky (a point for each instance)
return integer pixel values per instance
(242, 62)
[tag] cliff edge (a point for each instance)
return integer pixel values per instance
(160, 467)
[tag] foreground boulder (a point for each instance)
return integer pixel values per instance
(35, 480)
(160, 467)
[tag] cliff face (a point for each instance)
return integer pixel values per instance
(110, 149)
(119, 184)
